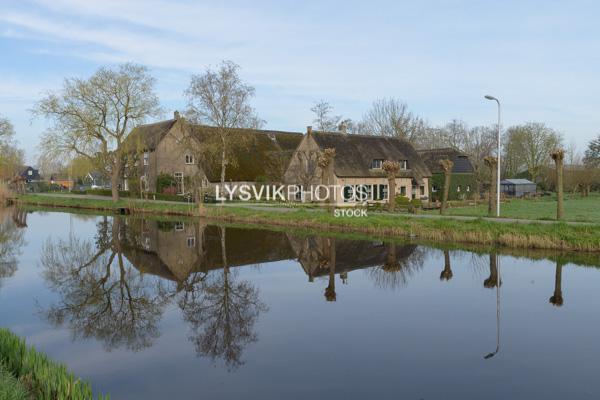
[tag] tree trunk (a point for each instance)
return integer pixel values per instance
(447, 179)
(115, 176)
(391, 194)
(558, 157)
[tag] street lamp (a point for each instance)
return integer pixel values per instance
(488, 97)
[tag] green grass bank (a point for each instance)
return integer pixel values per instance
(577, 208)
(532, 235)
(28, 374)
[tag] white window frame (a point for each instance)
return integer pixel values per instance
(179, 175)
(179, 226)
(146, 157)
(191, 241)
(404, 164)
(377, 163)
(189, 159)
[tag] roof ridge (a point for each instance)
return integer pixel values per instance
(362, 135)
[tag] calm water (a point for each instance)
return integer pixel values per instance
(147, 309)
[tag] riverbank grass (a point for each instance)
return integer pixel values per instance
(25, 369)
(560, 236)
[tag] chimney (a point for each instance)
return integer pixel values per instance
(308, 130)
(176, 115)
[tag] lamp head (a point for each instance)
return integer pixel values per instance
(487, 96)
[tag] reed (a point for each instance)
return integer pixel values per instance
(43, 378)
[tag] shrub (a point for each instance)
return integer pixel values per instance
(168, 191)
(402, 201)
(417, 203)
(164, 181)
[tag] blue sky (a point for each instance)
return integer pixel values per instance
(541, 58)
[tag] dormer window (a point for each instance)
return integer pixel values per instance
(403, 164)
(189, 159)
(376, 163)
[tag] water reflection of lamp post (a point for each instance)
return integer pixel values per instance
(495, 270)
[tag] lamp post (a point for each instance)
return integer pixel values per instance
(488, 97)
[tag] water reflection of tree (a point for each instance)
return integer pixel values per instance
(222, 312)
(446, 273)
(398, 268)
(11, 241)
(101, 294)
(492, 281)
(557, 298)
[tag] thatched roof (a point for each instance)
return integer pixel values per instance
(354, 154)
(255, 160)
(148, 136)
(462, 164)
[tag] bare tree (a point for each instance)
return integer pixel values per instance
(7, 131)
(11, 157)
(572, 154)
(592, 154)
(324, 120)
(530, 146)
(93, 117)
(221, 99)
(391, 117)
(479, 143)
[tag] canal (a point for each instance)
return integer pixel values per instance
(149, 308)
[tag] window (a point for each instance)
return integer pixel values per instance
(468, 188)
(189, 159)
(403, 190)
(380, 192)
(191, 241)
(376, 164)
(422, 189)
(179, 182)
(434, 188)
(298, 194)
(30, 172)
(147, 242)
(403, 164)
(144, 181)
(458, 188)
(146, 158)
(179, 226)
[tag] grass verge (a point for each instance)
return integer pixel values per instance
(24, 369)
(559, 236)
